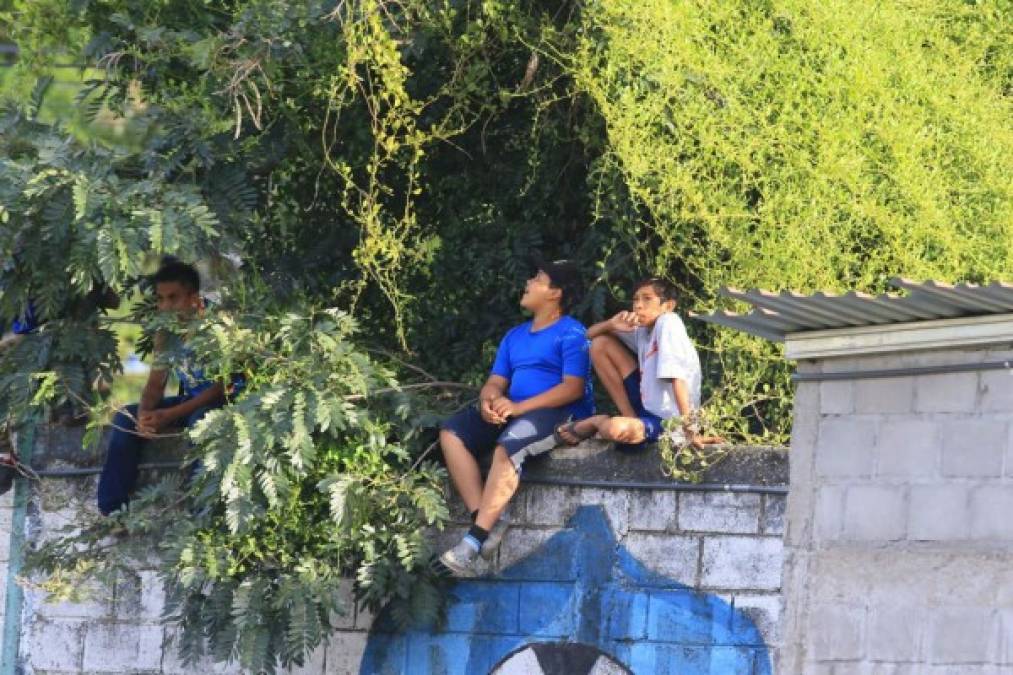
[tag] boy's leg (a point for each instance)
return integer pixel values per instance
(628, 430)
(461, 437)
(576, 431)
(526, 436)
(463, 469)
(614, 363)
(119, 472)
(500, 487)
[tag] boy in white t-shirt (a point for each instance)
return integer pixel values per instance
(649, 367)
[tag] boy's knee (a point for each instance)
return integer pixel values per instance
(125, 420)
(600, 346)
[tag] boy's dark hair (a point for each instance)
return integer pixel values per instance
(173, 269)
(564, 275)
(664, 288)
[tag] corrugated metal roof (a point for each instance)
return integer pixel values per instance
(778, 314)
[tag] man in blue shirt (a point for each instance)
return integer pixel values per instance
(540, 379)
(177, 289)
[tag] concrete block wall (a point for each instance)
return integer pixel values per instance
(900, 531)
(714, 549)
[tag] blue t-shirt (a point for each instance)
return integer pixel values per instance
(536, 361)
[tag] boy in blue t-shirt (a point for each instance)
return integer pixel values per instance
(539, 380)
(177, 289)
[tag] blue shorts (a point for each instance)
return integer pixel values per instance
(652, 423)
(526, 436)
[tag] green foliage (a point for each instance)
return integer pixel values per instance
(400, 160)
(307, 480)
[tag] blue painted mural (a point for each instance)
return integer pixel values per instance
(581, 586)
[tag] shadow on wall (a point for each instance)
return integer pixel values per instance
(579, 604)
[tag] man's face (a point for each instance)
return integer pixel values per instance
(172, 296)
(648, 305)
(538, 292)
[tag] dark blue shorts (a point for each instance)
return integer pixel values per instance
(652, 423)
(523, 437)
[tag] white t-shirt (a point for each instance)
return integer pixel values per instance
(664, 352)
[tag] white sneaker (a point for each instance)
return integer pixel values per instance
(460, 560)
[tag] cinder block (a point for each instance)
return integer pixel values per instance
(675, 557)
(724, 512)
(961, 635)
(96, 604)
(122, 647)
(1005, 650)
(897, 633)
(837, 632)
(490, 606)
(344, 653)
(172, 663)
(519, 543)
(616, 504)
(742, 562)
(624, 613)
(845, 448)
(55, 645)
(948, 392)
(546, 610)
(763, 610)
(837, 397)
(907, 448)
(314, 664)
(939, 512)
(992, 512)
(997, 390)
(653, 510)
(874, 513)
(152, 595)
(772, 521)
(974, 448)
(550, 505)
(888, 395)
(829, 512)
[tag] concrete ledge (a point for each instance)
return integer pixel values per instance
(592, 462)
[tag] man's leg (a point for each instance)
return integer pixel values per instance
(119, 473)
(614, 363)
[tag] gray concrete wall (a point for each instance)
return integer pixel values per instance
(710, 548)
(899, 543)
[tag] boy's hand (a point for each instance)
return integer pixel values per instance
(488, 413)
(623, 322)
(505, 408)
(152, 421)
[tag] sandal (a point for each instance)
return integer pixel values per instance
(571, 428)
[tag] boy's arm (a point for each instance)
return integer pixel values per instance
(494, 388)
(567, 391)
(623, 322)
(153, 390)
(153, 420)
